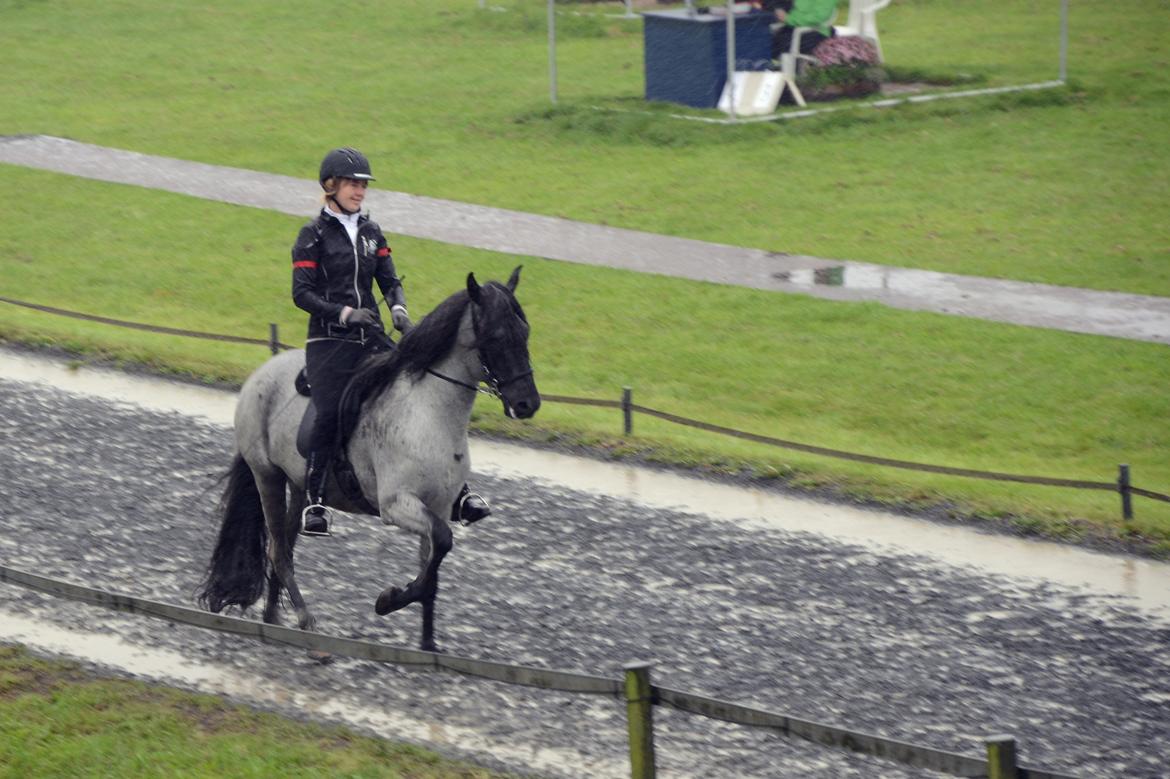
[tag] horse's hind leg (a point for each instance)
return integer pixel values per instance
(282, 532)
(285, 545)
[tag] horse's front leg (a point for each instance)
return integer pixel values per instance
(435, 542)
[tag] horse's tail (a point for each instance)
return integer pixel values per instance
(236, 574)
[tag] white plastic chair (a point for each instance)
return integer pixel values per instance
(791, 59)
(863, 21)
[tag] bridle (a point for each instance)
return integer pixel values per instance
(494, 384)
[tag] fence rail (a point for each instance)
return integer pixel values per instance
(1125, 489)
(636, 689)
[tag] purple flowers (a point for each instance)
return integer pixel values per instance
(847, 50)
(848, 66)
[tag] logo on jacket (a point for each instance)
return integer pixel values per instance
(369, 246)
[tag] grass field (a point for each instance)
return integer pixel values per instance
(451, 101)
(1067, 186)
(58, 720)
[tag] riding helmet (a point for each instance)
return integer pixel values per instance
(345, 163)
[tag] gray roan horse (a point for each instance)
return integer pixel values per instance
(404, 430)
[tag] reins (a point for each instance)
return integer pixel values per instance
(465, 385)
(493, 384)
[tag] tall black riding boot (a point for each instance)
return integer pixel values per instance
(313, 519)
(469, 507)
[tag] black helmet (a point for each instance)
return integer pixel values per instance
(345, 163)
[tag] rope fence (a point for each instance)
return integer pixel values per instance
(1123, 485)
(636, 689)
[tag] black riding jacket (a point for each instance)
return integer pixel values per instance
(330, 273)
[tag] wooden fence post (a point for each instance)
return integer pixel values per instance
(1001, 757)
(640, 716)
(627, 410)
(273, 337)
(1123, 486)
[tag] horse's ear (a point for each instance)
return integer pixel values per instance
(473, 287)
(514, 279)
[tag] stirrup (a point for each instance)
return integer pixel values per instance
(467, 514)
(325, 515)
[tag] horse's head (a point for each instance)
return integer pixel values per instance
(501, 335)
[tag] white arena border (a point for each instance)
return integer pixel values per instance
(883, 103)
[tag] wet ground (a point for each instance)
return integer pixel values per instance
(873, 637)
(1139, 317)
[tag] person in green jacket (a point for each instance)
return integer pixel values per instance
(791, 14)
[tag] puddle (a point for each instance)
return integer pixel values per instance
(212, 405)
(1077, 310)
(1144, 584)
(858, 276)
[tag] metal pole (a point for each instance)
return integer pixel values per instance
(640, 717)
(731, 58)
(1063, 39)
(552, 51)
(273, 337)
(627, 410)
(1001, 757)
(1123, 486)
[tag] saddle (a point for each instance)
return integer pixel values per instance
(339, 464)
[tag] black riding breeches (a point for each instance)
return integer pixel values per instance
(330, 365)
(782, 41)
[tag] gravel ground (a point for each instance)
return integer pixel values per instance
(121, 498)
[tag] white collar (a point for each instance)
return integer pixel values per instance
(345, 219)
(348, 221)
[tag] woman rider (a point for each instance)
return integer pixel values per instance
(336, 258)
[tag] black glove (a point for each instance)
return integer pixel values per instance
(400, 319)
(361, 317)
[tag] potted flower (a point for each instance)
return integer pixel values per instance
(846, 66)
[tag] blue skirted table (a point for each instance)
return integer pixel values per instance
(686, 55)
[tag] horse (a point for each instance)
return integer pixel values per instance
(403, 429)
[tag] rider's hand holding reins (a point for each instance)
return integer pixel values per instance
(361, 317)
(400, 319)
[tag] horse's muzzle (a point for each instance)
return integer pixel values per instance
(524, 408)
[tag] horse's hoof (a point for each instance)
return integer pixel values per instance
(390, 600)
(317, 656)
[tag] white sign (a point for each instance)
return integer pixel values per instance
(756, 92)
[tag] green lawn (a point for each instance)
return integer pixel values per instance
(451, 101)
(1065, 186)
(57, 720)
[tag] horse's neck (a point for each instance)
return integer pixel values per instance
(450, 402)
(462, 361)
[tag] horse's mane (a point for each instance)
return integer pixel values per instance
(427, 342)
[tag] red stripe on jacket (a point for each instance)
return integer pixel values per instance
(305, 264)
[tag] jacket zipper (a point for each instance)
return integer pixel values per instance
(356, 266)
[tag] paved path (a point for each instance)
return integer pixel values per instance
(1138, 317)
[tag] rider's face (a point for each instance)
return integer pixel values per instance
(350, 193)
